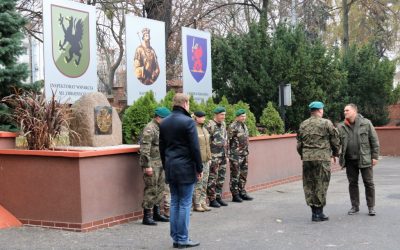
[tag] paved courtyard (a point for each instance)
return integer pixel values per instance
(277, 219)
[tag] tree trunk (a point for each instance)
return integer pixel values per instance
(345, 38)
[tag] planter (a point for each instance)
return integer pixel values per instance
(72, 190)
(7, 140)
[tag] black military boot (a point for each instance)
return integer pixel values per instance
(215, 204)
(314, 216)
(157, 216)
(221, 202)
(246, 197)
(236, 198)
(147, 220)
(321, 214)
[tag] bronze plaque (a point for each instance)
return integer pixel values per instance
(103, 120)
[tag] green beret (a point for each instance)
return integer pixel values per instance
(199, 114)
(162, 112)
(219, 109)
(316, 105)
(240, 112)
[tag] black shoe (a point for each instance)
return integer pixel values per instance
(215, 204)
(353, 210)
(221, 202)
(175, 245)
(246, 197)
(236, 198)
(147, 220)
(157, 216)
(371, 211)
(189, 244)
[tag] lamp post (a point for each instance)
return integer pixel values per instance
(285, 100)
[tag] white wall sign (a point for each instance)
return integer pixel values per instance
(69, 49)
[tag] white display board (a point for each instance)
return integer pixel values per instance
(69, 49)
(145, 58)
(196, 57)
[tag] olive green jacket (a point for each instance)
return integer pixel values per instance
(367, 140)
(204, 142)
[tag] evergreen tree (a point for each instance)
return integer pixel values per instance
(369, 82)
(12, 73)
(271, 120)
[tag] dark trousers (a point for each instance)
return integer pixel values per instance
(352, 171)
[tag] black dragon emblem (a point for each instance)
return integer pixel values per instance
(73, 35)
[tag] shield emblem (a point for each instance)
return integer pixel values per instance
(70, 40)
(197, 56)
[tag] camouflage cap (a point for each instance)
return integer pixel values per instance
(316, 105)
(219, 109)
(240, 112)
(162, 112)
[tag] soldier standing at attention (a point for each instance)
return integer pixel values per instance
(317, 142)
(218, 143)
(200, 190)
(238, 136)
(360, 153)
(150, 161)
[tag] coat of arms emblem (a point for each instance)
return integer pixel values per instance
(197, 56)
(70, 40)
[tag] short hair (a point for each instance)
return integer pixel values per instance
(353, 106)
(180, 99)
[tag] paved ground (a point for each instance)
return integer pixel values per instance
(277, 219)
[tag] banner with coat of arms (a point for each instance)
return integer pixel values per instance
(69, 49)
(145, 57)
(196, 55)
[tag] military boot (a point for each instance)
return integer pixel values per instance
(205, 207)
(147, 220)
(236, 198)
(157, 216)
(246, 197)
(321, 214)
(221, 202)
(314, 216)
(215, 204)
(198, 208)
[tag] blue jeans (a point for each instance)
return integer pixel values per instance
(181, 203)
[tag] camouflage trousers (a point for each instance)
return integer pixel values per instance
(167, 197)
(200, 190)
(216, 177)
(316, 177)
(239, 170)
(153, 188)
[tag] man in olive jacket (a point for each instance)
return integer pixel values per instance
(360, 152)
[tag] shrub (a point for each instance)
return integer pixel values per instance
(137, 116)
(41, 121)
(271, 120)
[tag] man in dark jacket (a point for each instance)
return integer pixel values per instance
(360, 152)
(181, 160)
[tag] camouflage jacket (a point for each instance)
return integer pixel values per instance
(218, 138)
(149, 146)
(317, 140)
(238, 136)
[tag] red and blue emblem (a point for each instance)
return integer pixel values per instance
(197, 56)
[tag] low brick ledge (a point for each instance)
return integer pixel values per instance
(134, 216)
(85, 227)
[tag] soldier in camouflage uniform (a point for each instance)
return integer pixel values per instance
(238, 136)
(218, 143)
(150, 161)
(317, 142)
